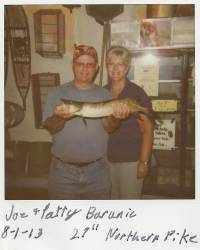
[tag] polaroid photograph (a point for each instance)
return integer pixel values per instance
(99, 118)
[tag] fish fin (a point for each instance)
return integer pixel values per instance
(84, 121)
(66, 101)
(69, 101)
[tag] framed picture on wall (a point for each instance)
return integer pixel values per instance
(155, 32)
(125, 34)
(41, 84)
(49, 25)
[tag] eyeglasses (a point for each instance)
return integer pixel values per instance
(118, 65)
(87, 65)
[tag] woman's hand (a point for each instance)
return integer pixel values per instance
(121, 111)
(142, 170)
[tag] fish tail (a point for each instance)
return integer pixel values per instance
(153, 117)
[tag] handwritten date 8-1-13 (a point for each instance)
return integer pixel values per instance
(17, 232)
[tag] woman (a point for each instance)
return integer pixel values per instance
(129, 147)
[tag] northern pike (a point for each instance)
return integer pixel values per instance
(105, 108)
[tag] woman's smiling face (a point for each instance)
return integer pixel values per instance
(116, 67)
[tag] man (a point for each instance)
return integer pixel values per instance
(79, 168)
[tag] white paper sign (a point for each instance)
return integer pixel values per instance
(147, 77)
(164, 135)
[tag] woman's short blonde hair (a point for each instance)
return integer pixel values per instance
(120, 51)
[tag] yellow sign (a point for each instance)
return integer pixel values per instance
(164, 105)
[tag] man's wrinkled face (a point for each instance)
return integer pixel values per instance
(85, 68)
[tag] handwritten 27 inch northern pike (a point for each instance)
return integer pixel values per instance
(105, 108)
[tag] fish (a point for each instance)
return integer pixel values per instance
(105, 108)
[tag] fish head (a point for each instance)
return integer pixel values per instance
(72, 106)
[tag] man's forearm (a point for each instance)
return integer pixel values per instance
(111, 123)
(54, 124)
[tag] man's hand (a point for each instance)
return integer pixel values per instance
(121, 111)
(57, 121)
(62, 111)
